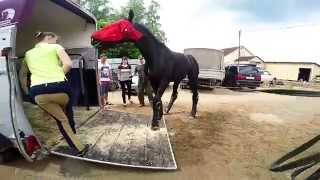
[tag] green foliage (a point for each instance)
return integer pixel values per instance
(124, 49)
(138, 8)
(145, 15)
(99, 8)
(152, 21)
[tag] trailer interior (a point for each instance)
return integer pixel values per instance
(74, 29)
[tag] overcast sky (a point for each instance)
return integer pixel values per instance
(275, 30)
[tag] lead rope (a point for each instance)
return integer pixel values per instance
(300, 165)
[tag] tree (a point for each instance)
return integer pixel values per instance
(99, 8)
(138, 8)
(124, 49)
(105, 15)
(152, 20)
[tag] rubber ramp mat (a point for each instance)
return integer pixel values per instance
(123, 139)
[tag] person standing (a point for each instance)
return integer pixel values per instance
(125, 78)
(48, 63)
(143, 83)
(105, 79)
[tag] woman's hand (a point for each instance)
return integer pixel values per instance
(66, 61)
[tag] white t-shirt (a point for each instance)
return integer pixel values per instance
(105, 72)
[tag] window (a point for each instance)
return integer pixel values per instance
(248, 69)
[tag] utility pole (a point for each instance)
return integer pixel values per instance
(239, 47)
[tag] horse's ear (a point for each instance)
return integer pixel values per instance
(131, 15)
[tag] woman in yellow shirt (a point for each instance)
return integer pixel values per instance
(48, 63)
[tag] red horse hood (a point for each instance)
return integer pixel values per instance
(116, 32)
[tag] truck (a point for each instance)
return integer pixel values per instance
(211, 66)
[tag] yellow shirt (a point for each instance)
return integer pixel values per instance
(44, 64)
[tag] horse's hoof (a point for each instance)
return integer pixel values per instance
(192, 116)
(155, 126)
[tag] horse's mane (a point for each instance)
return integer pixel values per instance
(148, 33)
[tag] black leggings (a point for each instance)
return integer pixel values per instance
(123, 85)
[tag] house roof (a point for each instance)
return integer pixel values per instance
(227, 51)
(245, 58)
(248, 58)
(292, 62)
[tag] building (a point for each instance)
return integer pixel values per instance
(231, 56)
(293, 71)
(289, 70)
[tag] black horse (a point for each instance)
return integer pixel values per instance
(163, 65)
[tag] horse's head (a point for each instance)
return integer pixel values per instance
(119, 31)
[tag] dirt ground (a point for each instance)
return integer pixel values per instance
(237, 135)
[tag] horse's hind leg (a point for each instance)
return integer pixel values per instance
(174, 96)
(193, 82)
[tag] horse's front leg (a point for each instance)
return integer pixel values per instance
(174, 96)
(157, 104)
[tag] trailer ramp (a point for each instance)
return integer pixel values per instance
(123, 139)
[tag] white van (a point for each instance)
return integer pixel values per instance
(19, 20)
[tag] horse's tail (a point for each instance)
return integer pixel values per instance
(193, 83)
(194, 65)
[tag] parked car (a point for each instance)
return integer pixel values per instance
(265, 75)
(134, 85)
(242, 76)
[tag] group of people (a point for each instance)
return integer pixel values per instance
(48, 63)
(125, 79)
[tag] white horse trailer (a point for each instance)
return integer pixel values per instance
(211, 66)
(19, 20)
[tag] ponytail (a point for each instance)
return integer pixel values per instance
(39, 36)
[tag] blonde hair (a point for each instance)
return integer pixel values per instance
(39, 36)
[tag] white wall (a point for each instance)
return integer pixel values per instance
(290, 71)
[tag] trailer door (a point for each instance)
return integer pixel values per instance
(13, 122)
